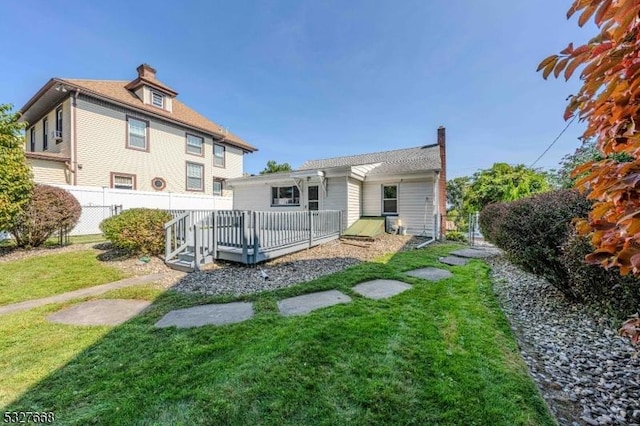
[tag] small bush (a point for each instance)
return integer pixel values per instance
(139, 231)
(50, 209)
(618, 295)
(456, 236)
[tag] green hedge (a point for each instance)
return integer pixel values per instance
(537, 234)
(139, 231)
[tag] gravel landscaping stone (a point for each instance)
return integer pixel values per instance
(306, 265)
(586, 372)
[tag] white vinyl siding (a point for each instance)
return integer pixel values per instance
(415, 206)
(336, 198)
(353, 201)
(371, 199)
(195, 176)
(102, 133)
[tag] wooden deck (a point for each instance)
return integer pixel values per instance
(195, 238)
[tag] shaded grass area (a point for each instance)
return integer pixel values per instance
(42, 276)
(441, 353)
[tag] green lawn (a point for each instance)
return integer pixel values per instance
(441, 353)
(53, 241)
(42, 276)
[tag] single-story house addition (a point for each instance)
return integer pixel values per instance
(407, 184)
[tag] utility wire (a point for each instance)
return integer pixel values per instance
(554, 141)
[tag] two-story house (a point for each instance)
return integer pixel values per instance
(132, 135)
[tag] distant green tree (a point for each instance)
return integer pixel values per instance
(456, 190)
(273, 167)
(504, 182)
(16, 183)
(585, 153)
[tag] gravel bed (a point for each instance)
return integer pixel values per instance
(305, 265)
(586, 372)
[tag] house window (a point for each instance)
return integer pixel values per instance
(58, 135)
(389, 199)
(218, 155)
(33, 139)
(194, 144)
(45, 131)
(314, 198)
(195, 172)
(137, 134)
(157, 99)
(285, 196)
(217, 188)
(123, 181)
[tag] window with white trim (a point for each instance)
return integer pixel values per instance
(157, 99)
(122, 181)
(58, 135)
(137, 134)
(389, 199)
(285, 196)
(195, 173)
(218, 155)
(194, 144)
(217, 187)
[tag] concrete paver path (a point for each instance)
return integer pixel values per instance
(216, 314)
(476, 253)
(100, 312)
(83, 292)
(306, 303)
(454, 260)
(431, 274)
(381, 289)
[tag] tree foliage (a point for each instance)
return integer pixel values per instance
(456, 191)
(504, 182)
(274, 167)
(609, 102)
(16, 183)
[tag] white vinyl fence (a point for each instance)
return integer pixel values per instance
(100, 203)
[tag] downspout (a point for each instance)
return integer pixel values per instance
(436, 204)
(74, 137)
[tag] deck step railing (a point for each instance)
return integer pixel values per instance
(176, 235)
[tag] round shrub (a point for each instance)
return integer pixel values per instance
(50, 209)
(139, 231)
(490, 221)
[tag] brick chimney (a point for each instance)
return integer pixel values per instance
(442, 186)
(146, 71)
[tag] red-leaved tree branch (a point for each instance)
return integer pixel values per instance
(609, 102)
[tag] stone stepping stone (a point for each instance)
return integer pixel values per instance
(431, 274)
(306, 303)
(474, 253)
(197, 316)
(381, 289)
(453, 260)
(99, 312)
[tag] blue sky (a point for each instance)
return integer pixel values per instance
(314, 79)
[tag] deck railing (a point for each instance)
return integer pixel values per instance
(250, 233)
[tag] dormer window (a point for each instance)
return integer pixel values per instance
(157, 99)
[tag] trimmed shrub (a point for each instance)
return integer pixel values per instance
(490, 221)
(139, 231)
(50, 209)
(532, 230)
(618, 295)
(456, 236)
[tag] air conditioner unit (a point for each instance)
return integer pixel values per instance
(56, 135)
